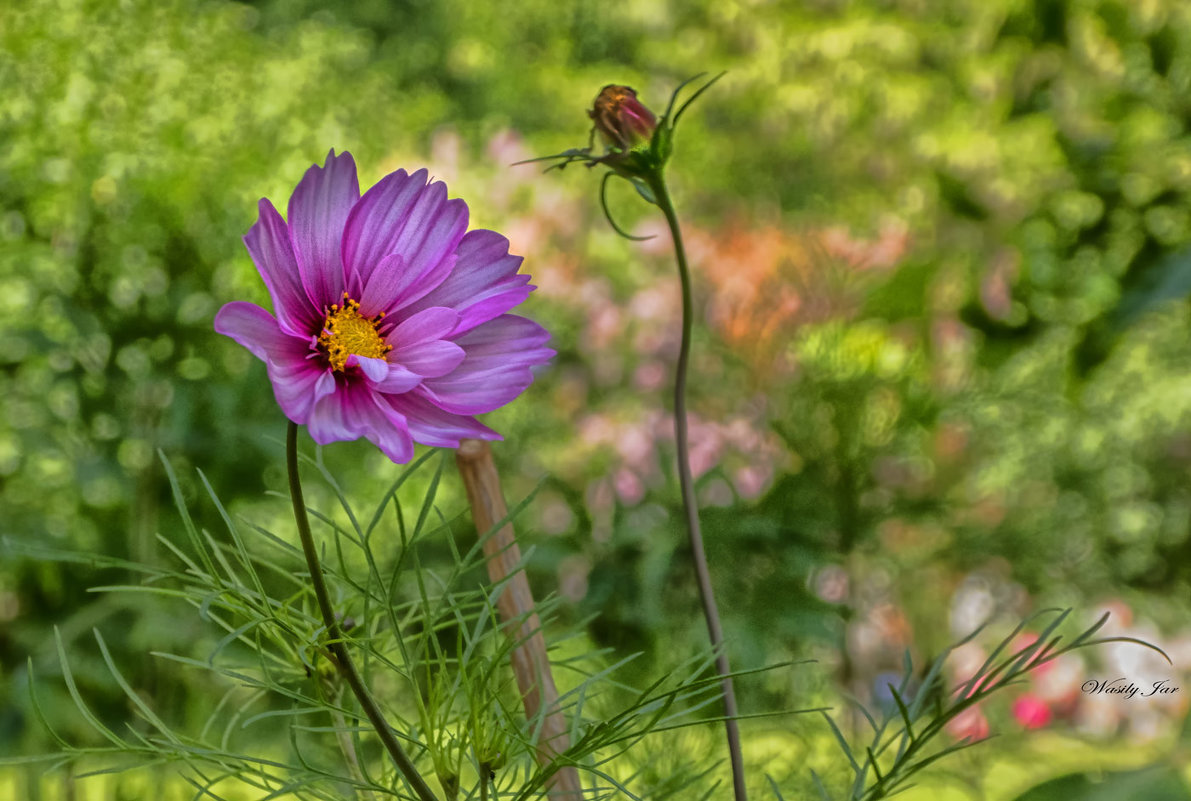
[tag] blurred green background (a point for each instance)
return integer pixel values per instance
(942, 252)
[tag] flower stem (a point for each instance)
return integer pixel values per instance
(336, 644)
(657, 183)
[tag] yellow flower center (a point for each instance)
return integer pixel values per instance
(346, 331)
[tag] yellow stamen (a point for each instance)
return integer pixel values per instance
(346, 331)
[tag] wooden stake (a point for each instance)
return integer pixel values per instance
(531, 665)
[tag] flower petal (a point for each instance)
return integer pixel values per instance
(384, 286)
(430, 425)
(429, 359)
(402, 214)
(497, 367)
(329, 420)
(374, 369)
(392, 285)
(424, 326)
(354, 411)
(418, 286)
(508, 339)
(257, 330)
(418, 342)
(398, 379)
(318, 210)
(484, 283)
(369, 234)
(298, 386)
(269, 245)
(298, 382)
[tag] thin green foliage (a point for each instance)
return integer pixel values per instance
(904, 739)
(421, 614)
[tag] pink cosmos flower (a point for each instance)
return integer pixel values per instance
(391, 318)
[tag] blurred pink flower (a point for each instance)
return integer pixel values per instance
(971, 724)
(596, 429)
(1027, 640)
(650, 376)
(655, 304)
(604, 325)
(996, 289)
(507, 148)
(831, 584)
(636, 447)
(1031, 711)
(629, 487)
(886, 251)
(751, 480)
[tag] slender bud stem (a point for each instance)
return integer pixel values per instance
(335, 643)
(657, 183)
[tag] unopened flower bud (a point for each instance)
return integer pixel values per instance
(622, 120)
(638, 143)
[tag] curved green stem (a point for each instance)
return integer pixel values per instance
(335, 644)
(657, 183)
